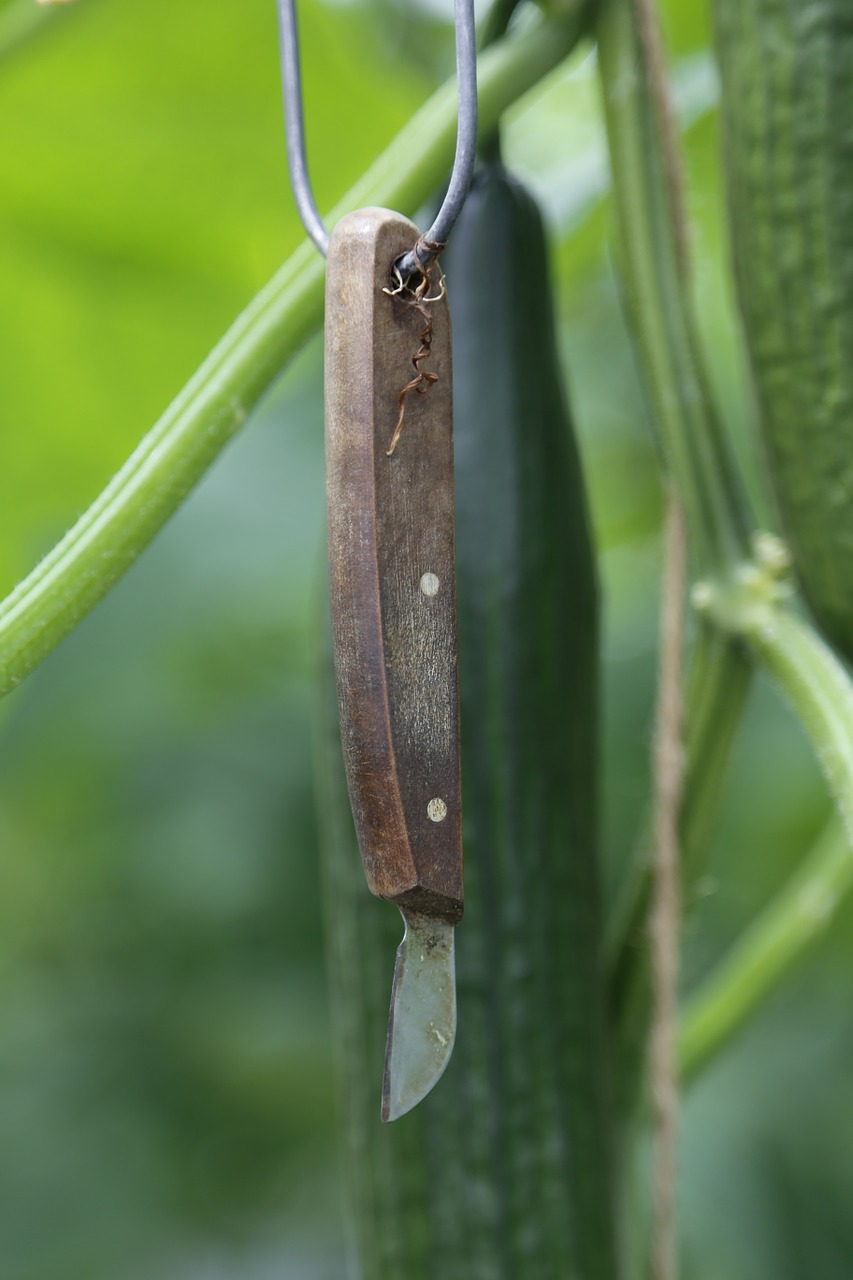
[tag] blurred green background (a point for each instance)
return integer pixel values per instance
(166, 1077)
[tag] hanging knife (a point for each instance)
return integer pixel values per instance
(391, 567)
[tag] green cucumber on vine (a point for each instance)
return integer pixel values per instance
(529, 644)
(521, 1122)
(787, 105)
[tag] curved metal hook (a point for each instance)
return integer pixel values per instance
(430, 245)
(294, 126)
(433, 241)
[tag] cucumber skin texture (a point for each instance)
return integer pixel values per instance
(788, 126)
(529, 677)
(505, 1169)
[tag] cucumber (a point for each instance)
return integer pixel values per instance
(788, 126)
(529, 681)
(506, 1169)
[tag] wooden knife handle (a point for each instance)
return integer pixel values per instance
(391, 569)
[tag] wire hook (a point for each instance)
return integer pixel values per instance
(430, 245)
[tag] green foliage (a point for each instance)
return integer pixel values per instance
(166, 1070)
(173, 455)
(144, 201)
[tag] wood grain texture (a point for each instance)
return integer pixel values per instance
(390, 522)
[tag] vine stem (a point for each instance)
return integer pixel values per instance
(216, 401)
(717, 686)
(776, 941)
(652, 262)
(820, 694)
(743, 621)
(806, 670)
(653, 266)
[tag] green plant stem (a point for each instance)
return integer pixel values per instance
(215, 403)
(807, 672)
(716, 692)
(651, 231)
(717, 685)
(742, 602)
(820, 694)
(772, 945)
(653, 264)
(654, 267)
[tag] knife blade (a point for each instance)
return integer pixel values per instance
(393, 604)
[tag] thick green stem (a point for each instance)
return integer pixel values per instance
(657, 294)
(820, 693)
(216, 401)
(774, 943)
(654, 269)
(806, 670)
(718, 685)
(653, 266)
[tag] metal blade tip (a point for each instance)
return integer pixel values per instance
(422, 1022)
